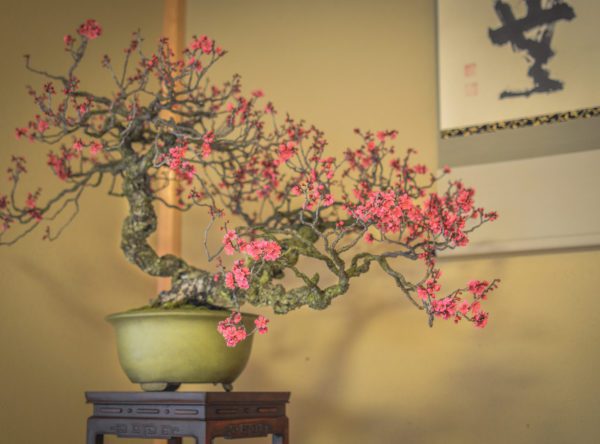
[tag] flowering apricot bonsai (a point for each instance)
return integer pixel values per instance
(166, 122)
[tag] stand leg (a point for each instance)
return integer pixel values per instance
(280, 439)
(283, 436)
(175, 441)
(94, 437)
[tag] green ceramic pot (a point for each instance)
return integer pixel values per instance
(160, 349)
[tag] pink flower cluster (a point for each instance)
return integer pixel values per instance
(31, 205)
(176, 162)
(454, 306)
(259, 249)
(286, 151)
(202, 43)
(316, 185)
(387, 210)
(207, 140)
(431, 288)
(394, 211)
(60, 164)
(261, 324)
(478, 288)
(233, 331)
(90, 29)
(238, 276)
(263, 249)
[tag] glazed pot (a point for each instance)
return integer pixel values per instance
(162, 348)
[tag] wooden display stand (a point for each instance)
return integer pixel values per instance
(202, 415)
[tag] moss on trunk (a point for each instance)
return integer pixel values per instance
(190, 285)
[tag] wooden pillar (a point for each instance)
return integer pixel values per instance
(169, 220)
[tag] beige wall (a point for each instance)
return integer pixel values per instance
(54, 342)
(368, 370)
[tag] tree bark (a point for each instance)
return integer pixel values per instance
(188, 284)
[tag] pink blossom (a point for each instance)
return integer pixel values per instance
(35, 214)
(478, 287)
(152, 62)
(491, 216)
(253, 250)
(206, 150)
(20, 132)
(420, 169)
(186, 172)
(271, 251)
(96, 147)
(209, 137)
(204, 43)
(405, 202)
(184, 169)
(176, 155)
(328, 200)
(229, 281)
(231, 331)
(49, 88)
(258, 93)
(90, 29)
(240, 274)
(42, 125)
(286, 151)
(431, 287)
(207, 141)
(369, 238)
(228, 240)
(59, 166)
(78, 145)
(233, 335)
(444, 308)
(31, 201)
(480, 319)
(263, 249)
(464, 197)
(261, 324)
(463, 307)
(195, 64)
(68, 40)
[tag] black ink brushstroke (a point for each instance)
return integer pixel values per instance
(513, 31)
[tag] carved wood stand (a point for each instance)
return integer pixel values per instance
(202, 415)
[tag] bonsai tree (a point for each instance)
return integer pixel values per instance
(266, 181)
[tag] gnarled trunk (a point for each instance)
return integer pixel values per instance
(189, 284)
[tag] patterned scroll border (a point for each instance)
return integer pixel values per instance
(545, 119)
